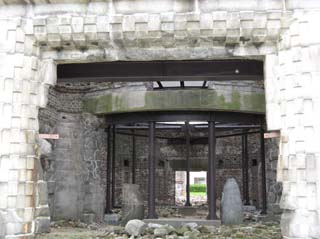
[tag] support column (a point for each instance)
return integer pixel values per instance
(113, 186)
(263, 172)
(245, 176)
(133, 157)
(211, 175)
(108, 179)
(188, 164)
(152, 173)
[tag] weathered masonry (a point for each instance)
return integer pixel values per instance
(37, 36)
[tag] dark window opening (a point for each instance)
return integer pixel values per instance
(126, 163)
(254, 162)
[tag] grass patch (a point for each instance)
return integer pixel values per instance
(199, 188)
(198, 194)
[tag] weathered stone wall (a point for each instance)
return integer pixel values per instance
(292, 86)
(77, 162)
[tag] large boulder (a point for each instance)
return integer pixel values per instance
(231, 203)
(2, 224)
(132, 203)
(135, 227)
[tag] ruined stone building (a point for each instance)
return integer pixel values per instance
(138, 89)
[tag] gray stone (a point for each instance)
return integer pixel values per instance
(154, 225)
(43, 225)
(249, 208)
(43, 193)
(160, 232)
(51, 187)
(135, 227)
(43, 211)
(112, 219)
(132, 203)
(191, 225)
(231, 203)
(45, 147)
(187, 211)
(192, 234)
(2, 224)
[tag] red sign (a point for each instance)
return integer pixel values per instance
(48, 136)
(275, 134)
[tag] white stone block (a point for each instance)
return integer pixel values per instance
(273, 114)
(154, 22)
(54, 40)
(219, 15)
(4, 172)
(12, 188)
(13, 175)
(77, 24)
(128, 23)
(48, 72)
(103, 24)
(3, 198)
(29, 188)
(28, 214)
(206, 21)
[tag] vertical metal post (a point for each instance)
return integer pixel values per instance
(263, 171)
(152, 172)
(188, 164)
(211, 181)
(113, 186)
(133, 157)
(108, 181)
(245, 166)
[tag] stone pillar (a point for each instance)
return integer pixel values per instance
(293, 106)
(22, 92)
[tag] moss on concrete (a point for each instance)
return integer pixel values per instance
(198, 99)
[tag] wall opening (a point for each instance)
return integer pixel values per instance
(90, 97)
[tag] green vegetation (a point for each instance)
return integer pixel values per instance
(198, 188)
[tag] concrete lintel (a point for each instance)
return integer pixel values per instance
(137, 101)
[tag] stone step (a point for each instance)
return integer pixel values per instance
(178, 222)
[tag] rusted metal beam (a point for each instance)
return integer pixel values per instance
(263, 172)
(151, 173)
(108, 174)
(187, 142)
(160, 70)
(245, 168)
(211, 181)
(133, 157)
(113, 186)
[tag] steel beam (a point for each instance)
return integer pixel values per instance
(108, 179)
(245, 176)
(133, 157)
(173, 116)
(113, 186)
(263, 172)
(161, 70)
(211, 179)
(188, 165)
(152, 173)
